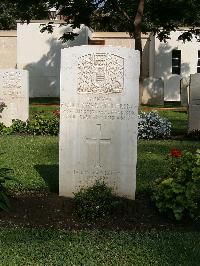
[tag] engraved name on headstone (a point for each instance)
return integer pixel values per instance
(98, 118)
(14, 94)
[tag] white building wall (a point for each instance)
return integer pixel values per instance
(122, 39)
(8, 49)
(161, 63)
(39, 53)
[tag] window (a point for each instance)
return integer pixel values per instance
(198, 62)
(176, 62)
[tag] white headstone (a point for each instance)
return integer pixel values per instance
(172, 88)
(185, 81)
(153, 91)
(195, 88)
(194, 106)
(99, 118)
(14, 93)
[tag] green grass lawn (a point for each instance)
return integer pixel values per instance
(54, 247)
(179, 120)
(35, 164)
(34, 161)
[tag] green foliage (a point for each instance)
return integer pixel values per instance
(18, 126)
(38, 125)
(4, 177)
(42, 125)
(178, 194)
(2, 126)
(160, 16)
(95, 202)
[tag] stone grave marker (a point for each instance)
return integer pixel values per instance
(194, 103)
(185, 91)
(14, 94)
(99, 118)
(153, 92)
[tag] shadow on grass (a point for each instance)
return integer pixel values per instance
(50, 174)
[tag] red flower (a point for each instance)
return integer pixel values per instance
(176, 153)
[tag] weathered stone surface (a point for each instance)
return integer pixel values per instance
(194, 106)
(195, 89)
(194, 117)
(153, 92)
(99, 117)
(185, 82)
(14, 93)
(172, 88)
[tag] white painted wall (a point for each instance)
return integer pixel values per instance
(122, 39)
(8, 49)
(160, 63)
(39, 53)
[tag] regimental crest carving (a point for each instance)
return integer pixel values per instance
(100, 73)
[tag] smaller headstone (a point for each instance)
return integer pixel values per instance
(14, 95)
(194, 117)
(185, 82)
(195, 89)
(172, 89)
(194, 106)
(153, 91)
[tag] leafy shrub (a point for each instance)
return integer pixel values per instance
(39, 125)
(42, 125)
(7, 131)
(2, 126)
(4, 177)
(95, 202)
(19, 126)
(178, 194)
(152, 126)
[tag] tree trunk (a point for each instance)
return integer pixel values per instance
(138, 31)
(138, 39)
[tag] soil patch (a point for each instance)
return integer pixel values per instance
(52, 211)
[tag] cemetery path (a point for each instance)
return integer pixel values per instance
(51, 211)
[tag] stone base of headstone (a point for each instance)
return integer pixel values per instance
(14, 94)
(153, 91)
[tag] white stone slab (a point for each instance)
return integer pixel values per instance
(185, 82)
(153, 92)
(195, 89)
(99, 118)
(194, 117)
(172, 88)
(14, 93)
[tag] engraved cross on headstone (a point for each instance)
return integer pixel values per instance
(98, 141)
